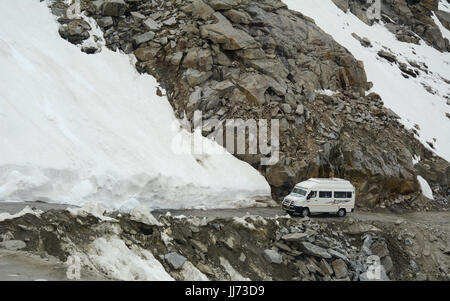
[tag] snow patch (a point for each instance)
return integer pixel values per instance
(191, 273)
(142, 214)
(326, 92)
(444, 6)
(165, 237)
(27, 210)
(94, 209)
(113, 258)
(241, 221)
(425, 187)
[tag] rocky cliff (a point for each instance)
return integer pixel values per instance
(259, 60)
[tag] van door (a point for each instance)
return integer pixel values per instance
(311, 200)
(325, 201)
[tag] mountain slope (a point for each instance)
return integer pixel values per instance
(417, 100)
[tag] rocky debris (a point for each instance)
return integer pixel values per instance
(217, 247)
(259, 60)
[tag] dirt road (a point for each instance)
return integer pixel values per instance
(380, 215)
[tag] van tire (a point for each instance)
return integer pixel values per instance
(304, 212)
(342, 212)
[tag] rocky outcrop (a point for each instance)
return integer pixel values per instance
(259, 60)
(406, 19)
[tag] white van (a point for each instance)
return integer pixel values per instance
(321, 196)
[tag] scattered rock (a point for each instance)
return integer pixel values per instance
(388, 56)
(114, 8)
(340, 268)
(314, 250)
(175, 260)
(273, 256)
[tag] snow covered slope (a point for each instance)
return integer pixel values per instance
(406, 97)
(77, 128)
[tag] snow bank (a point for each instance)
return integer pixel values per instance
(27, 210)
(77, 128)
(113, 258)
(94, 209)
(406, 97)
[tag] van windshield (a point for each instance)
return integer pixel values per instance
(299, 191)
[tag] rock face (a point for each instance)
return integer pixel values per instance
(406, 19)
(257, 60)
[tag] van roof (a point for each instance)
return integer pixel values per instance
(326, 183)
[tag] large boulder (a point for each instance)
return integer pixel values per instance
(114, 8)
(76, 31)
(175, 260)
(225, 34)
(313, 250)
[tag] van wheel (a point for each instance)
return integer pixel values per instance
(342, 212)
(304, 212)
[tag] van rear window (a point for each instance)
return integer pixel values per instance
(342, 194)
(325, 194)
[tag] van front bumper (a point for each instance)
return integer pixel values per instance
(288, 206)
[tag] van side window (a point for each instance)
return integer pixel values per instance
(340, 194)
(325, 194)
(349, 195)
